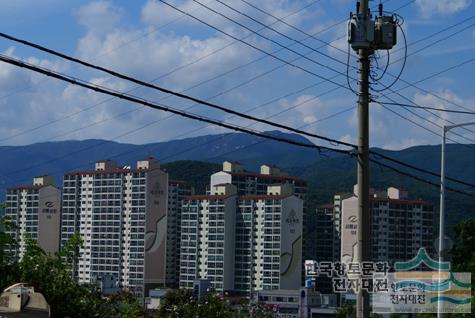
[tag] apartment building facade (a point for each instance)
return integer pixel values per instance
(34, 211)
(242, 243)
(399, 226)
(250, 183)
(177, 192)
(121, 216)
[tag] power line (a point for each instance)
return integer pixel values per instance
(259, 49)
(417, 178)
(180, 68)
(168, 109)
(240, 24)
(429, 108)
(304, 32)
(176, 69)
(425, 119)
(162, 107)
(137, 81)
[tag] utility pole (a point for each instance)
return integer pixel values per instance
(366, 35)
(363, 220)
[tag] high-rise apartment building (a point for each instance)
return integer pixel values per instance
(328, 229)
(207, 238)
(35, 212)
(250, 183)
(399, 226)
(177, 192)
(269, 238)
(245, 242)
(121, 216)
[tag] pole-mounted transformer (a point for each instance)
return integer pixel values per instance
(364, 32)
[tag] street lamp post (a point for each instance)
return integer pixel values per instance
(446, 129)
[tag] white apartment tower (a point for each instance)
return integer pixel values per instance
(399, 226)
(121, 216)
(35, 212)
(208, 238)
(250, 183)
(243, 243)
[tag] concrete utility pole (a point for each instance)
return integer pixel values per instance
(363, 225)
(366, 35)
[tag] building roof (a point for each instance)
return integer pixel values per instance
(28, 187)
(113, 170)
(254, 174)
(208, 197)
(402, 201)
(264, 197)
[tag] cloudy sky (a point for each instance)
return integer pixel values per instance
(153, 42)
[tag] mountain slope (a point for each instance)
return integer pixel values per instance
(326, 173)
(18, 164)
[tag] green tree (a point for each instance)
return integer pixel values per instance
(181, 304)
(51, 275)
(346, 311)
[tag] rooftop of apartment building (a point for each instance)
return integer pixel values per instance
(225, 190)
(392, 195)
(111, 166)
(37, 183)
(266, 171)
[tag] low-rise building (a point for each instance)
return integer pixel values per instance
(301, 303)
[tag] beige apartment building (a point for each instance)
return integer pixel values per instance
(35, 211)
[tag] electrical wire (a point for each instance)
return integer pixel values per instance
(162, 107)
(157, 106)
(259, 49)
(164, 90)
(176, 69)
(429, 108)
(399, 20)
(378, 78)
(397, 17)
(348, 71)
(281, 19)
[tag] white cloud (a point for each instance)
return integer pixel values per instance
(404, 143)
(429, 8)
(339, 47)
(348, 139)
(157, 14)
(99, 17)
(414, 135)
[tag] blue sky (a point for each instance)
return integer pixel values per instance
(148, 40)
